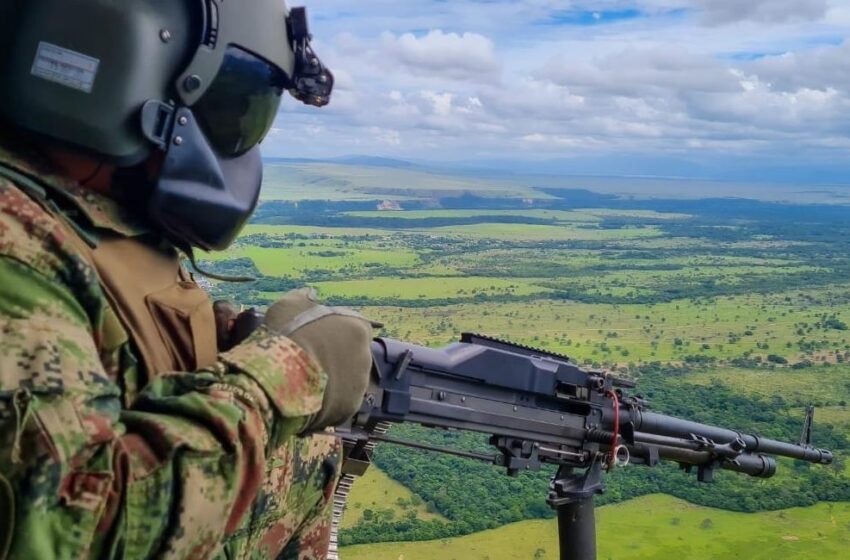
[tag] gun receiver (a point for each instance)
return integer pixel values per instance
(539, 407)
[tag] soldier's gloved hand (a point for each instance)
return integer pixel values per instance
(338, 339)
(233, 326)
(225, 317)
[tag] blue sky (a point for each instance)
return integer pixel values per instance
(714, 88)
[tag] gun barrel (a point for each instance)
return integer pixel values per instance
(662, 425)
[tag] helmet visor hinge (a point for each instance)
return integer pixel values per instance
(158, 122)
(312, 82)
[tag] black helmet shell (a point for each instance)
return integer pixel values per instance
(79, 71)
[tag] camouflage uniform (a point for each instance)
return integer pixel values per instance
(107, 463)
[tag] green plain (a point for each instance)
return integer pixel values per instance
(428, 287)
(332, 181)
(729, 326)
(824, 386)
(554, 215)
(654, 527)
(296, 261)
(534, 232)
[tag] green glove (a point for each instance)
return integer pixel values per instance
(338, 339)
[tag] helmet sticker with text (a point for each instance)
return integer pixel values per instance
(64, 66)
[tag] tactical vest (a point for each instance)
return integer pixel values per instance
(168, 316)
(169, 319)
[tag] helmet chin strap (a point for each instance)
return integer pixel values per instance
(90, 180)
(190, 254)
(90, 172)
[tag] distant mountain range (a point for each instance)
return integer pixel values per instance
(741, 168)
(371, 161)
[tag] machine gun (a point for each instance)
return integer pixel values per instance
(538, 407)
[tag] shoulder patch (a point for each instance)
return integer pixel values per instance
(27, 232)
(30, 235)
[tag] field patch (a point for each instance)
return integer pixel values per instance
(377, 495)
(296, 261)
(428, 288)
(636, 283)
(838, 416)
(650, 527)
(310, 231)
(788, 325)
(563, 216)
(533, 232)
(824, 386)
(641, 214)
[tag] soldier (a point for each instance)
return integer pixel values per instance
(128, 137)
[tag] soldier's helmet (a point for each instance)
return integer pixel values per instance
(200, 80)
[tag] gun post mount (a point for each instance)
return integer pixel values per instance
(571, 494)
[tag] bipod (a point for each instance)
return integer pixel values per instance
(571, 495)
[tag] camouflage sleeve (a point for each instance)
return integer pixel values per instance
(170, 476)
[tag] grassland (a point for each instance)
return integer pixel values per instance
(828, 387)
(315, 256)
(837, 415)
(310, 231)
(591, 215)
(722, 328)
(331, 181)
(650, 528)
(636, 261)
(559, 216)
(534, 232)
(429, 287)
(378, 494)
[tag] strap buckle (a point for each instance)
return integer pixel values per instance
(158, 122)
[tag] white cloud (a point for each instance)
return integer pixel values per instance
(822, 68)
(673, 93)
(441, 103)
(467, 56)
(385, 136)
(637, 72)
(717, 12)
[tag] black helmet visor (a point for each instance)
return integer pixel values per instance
(240, 105)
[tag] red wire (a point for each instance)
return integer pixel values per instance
(612, 458)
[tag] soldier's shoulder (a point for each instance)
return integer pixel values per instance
(32, 236)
